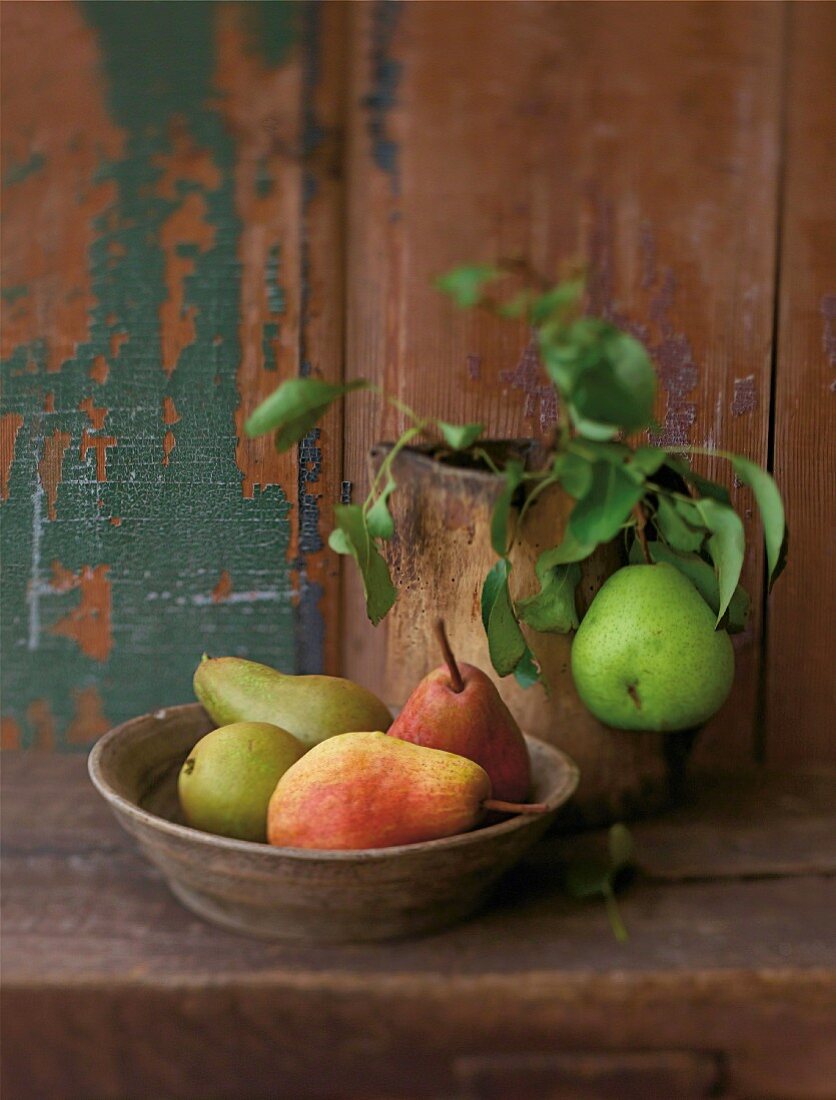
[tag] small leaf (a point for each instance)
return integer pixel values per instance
(506, 643)
(502, 507)
(705, 487)
(466, 284)
(727, 546)
(378, 518)
(771, 508)
(647, 460)
(574, 474)
(600, 514)
(354, 536)
(592, 429)
(587, 878)
(558, 301)
(294, 408)
(553, 610)
(527, 673)
(460, 436)
(674, 529)
(621, 845)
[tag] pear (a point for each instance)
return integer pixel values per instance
(458, 709)
(367, 790)
(647, 656)
(227, 779)
(310, 707)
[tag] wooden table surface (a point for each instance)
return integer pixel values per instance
(727, 986)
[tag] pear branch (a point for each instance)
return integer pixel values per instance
(514, 807)
(641, 523)
(455, 676)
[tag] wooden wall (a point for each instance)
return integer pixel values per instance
(203, 199)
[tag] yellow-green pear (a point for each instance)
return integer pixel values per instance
(227, 779)
(647, 656)
(312, 708)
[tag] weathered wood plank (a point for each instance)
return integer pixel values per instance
(800, 685)
(485, 130)
(171, 252)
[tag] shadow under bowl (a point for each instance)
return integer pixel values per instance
(302, 894)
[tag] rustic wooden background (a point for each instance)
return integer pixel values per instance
(201, 199)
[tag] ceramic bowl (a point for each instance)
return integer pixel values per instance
(295, 893)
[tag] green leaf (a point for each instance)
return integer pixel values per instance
(378, 518)
(460, 436)
(621, 845)
(506, 643)
(552, 610)
(527, 673)
(600, 514)
(592, 451)
(705, 487)
(672, 526)
(502, 507)
(619, 386)
(727, 546)
(574, 474)
(771, 509)
(295, 406)
(466, 284)
(592, 429)
(351, 535)
(555, 303)
(647, 460)
(571, 549)
(587, 878)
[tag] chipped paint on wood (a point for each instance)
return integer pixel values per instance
(50, 468)
(88, 623)
(10, 425)
(136, 207)
(745, 398)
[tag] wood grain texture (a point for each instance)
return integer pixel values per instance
(737, 964)
(800, 685)
(640, 139)
(170, 253)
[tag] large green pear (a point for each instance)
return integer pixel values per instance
(312, 708)
(647, 656)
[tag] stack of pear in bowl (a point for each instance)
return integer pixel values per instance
(294, 806)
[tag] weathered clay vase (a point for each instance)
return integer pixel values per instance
(439, 557)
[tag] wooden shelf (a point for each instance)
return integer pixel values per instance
(727, 986)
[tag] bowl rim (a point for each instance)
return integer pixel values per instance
(561, 794)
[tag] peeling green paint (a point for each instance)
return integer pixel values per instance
(180, 525)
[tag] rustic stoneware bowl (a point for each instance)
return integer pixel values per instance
(294, 893)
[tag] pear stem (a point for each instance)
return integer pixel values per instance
(514, 807)
(455, 676)
(641, 523)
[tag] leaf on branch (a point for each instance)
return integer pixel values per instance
(574, 473)
(706, 488)
(466, 284)
(502, 507)
(378, 518)
(294, 408)
(527, 672)
(771, 509)
(606, 506)
(726, 545)
(506, 644)
(460, 436)
(552, 610)
(647, 460)
(677, 529)
(351, 536)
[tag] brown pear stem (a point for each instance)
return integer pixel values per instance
(514, 807)
(455, 676)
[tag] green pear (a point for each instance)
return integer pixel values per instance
(647, 656)
(227, 779)
(367, 790)
(312, 708)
